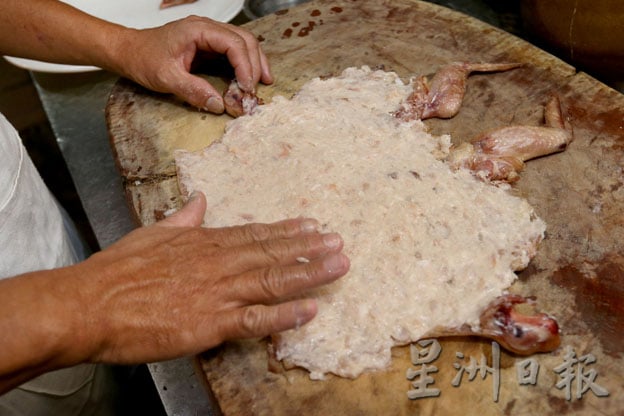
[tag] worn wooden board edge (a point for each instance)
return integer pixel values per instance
(126, 100)
(123, 98)
(577, 86)
(123, 104)
(147, 204)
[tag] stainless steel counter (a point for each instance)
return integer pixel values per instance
(75, 106)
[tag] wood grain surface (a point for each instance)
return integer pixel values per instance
(577, 275)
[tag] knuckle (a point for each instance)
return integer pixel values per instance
(252, 320)
(259, 232)
(165, 79)
(272, 283)
(248, 37)
(192, 18)
(238, 40)
(311, 272)
(272, 252)
(306, 246)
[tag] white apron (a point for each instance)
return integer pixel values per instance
(33, 237)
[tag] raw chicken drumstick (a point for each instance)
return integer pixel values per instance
(499, 154)
(443, 96)
(514, 331)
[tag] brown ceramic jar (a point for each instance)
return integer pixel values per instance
(587, 33)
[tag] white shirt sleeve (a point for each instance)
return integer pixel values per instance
(32, 235)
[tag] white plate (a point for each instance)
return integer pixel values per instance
(138, 14)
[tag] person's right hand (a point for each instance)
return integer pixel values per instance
(160, 59)
(175, 288)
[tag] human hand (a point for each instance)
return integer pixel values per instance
(174, 288)
(160, 59)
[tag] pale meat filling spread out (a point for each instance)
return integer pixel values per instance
(430, 247)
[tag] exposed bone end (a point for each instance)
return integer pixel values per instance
(413, 107)
(490, 168)
(238, 102)
(516, 332)
(505, 169)
(461, 155)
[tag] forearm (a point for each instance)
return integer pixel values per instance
(40, 327)
(51, 30)
(164, 291)
(159, 59)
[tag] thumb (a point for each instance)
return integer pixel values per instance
(190, 215)
(199, 93)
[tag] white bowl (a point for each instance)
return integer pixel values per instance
(255, 9)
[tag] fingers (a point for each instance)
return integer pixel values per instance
(261, 70)
(270, 284)
(163, 58)
(254, 313)
(198, 92)
(250, 233)
(256, 245)
(242, 50)
(261, 320)
(250, 304)
(279, 252)
(244, 54)
(267, 76)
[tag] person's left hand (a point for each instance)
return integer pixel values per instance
(175, 288)
(160, 59)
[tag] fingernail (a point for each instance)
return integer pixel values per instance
(334, 263)
(214, 105)
(332, 240)
(309, 226)
(305, 310)
(249, 85)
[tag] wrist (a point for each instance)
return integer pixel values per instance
(116, 49)
(43, 325)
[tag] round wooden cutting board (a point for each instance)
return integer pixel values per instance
(577, 275)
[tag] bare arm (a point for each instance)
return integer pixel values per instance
(158, 58)
(164, 291)
(174, 288)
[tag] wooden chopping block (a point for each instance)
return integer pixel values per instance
(577, 274)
